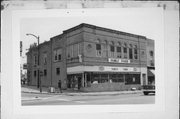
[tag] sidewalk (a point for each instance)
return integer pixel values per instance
(33, 89)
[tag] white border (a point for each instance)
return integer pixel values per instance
(18, 109)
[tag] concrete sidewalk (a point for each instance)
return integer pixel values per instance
(45, 90)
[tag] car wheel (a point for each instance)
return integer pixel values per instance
(145, 93)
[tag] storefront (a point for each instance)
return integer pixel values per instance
(151, 76)
(81, 77)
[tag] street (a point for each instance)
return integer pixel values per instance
(61, 99)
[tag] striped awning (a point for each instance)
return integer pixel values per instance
(151, 72)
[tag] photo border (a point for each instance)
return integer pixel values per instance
(17, 15)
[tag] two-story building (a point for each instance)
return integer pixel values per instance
(91, 58)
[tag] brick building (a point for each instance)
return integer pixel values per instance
(91, 58)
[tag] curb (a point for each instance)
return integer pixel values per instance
(88, 93)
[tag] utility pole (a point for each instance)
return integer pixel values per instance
(38, 67)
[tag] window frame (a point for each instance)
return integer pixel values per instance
(98, 50)
(58, 71)
(45, 72)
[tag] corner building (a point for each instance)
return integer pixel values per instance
(91, 58)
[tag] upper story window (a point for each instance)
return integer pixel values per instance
(130, 51)
(151, 53)
(73, 50)
(98, 50)
(151, 63)
(34, 73)
(112, 49)
(118, 51)
(135, 52)
(45, 58)
(57, 71)
(35, 59)
(57, 54)
(45, 72)
(79, 48)
(125, 50)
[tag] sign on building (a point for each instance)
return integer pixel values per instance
(117, 60)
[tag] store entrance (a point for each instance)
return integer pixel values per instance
(74, 81)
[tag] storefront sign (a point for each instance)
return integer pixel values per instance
(117, 60)
(101, 68)
(81, 69)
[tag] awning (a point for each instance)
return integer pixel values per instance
(151, 72)
(78, 69)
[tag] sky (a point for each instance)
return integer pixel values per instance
(133, 21)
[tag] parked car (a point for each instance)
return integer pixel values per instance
(148, 89)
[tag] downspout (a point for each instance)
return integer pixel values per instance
(139, 57)
(51, 61)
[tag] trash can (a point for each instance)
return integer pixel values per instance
(51, 89)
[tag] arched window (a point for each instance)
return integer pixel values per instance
(112, 49)
(125, 50)
(130, 51)
(118, 49)
(98, 49)
(135, 52)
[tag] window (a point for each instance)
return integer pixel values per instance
(132, 79)
(118, 52)
(79, 48)
(130, 53)
(35, 59)
(75, 50)
(98, 47)
(34, 73)
(151, 62)
(98, 50)
(57, 55)
(151, 53)
(112, 51)
(112, 48)
(45, 72)
(135, 54)
(125, 52)
(58, 71)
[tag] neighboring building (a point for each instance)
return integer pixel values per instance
(150, 61)
(91, 58)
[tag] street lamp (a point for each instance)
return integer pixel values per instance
(39, 80)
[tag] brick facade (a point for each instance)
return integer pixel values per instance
(85, 52)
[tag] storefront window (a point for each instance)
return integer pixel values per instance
(132, 79)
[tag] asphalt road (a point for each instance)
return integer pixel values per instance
(44, 99)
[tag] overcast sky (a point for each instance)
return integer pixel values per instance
(135, 22)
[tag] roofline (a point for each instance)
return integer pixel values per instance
(100, 28)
